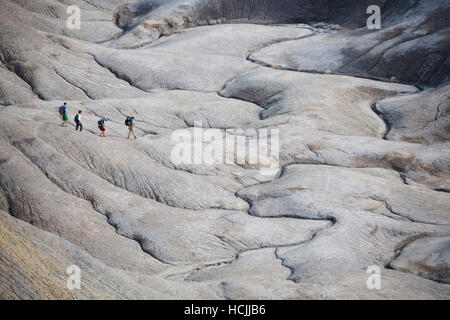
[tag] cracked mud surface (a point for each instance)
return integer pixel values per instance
(364, 164)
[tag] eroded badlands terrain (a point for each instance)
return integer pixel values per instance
(364, 165)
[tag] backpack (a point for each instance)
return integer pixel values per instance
(61, 110)
(101, 122)
(76, 118)
(128, 121)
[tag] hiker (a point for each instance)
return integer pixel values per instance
(63, 113)
(129, 122)
(78, 121)
(101, 126)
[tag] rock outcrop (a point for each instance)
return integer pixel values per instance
(363, 173)
(412, 45)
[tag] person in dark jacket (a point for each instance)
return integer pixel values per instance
(78, 123)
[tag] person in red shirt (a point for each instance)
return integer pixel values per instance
(101, 126)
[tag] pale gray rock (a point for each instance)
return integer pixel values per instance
(28, 251)
(313, 112)
(414, 203)
(350, 199)
(51, 17)
(260, 265)
(362, 178)
(429, 258)
(181, 236)
(411, 46)
(44, 205)
(52, 71)
(8, 90)
(432, 167)
(421, 118)
(343, 101)
(209, 61)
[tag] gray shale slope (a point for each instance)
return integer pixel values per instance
(364, 165)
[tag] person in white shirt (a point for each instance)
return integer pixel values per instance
(78, 121)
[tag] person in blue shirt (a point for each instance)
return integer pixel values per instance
(63, 113)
